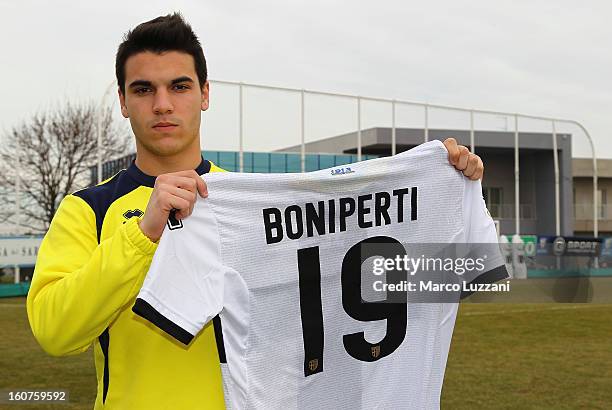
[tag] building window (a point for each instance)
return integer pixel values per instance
(493, 198)
(602, 204)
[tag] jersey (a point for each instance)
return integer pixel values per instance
(276, 256)
(89, 269)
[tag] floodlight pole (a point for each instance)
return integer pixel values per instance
(302, 133)
(472, 142)
(18, 190)
(241, 122)
(99, 128)
(358, 128)
(393, 135)
(517, 210)
(556, 164)
(426, 127)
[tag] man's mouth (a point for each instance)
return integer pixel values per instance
(165, 126)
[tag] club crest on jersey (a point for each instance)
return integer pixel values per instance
(313, 365)
(375, 351)
(129, 213)
(342, 171)
(173, 222)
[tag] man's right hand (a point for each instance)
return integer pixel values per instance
(177, 190)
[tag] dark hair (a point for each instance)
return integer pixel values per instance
(164, 33)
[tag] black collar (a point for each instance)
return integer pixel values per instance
(148, 180)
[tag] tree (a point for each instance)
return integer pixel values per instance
(49, 156)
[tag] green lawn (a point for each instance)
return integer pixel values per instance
(530, 356)
(24, 365)
(503, 356)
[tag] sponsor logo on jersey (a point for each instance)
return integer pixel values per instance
(342, 171)
(375, 351)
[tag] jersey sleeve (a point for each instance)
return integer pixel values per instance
(79, 285)
(481, 236)
(184, 287)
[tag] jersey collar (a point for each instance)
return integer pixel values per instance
(148, 180)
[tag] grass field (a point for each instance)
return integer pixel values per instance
(503, 356)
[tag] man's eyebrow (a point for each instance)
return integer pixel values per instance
(183, 79)
(142, 83)
(145, 83)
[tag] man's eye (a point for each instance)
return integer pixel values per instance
(181, 87)
(142, 90)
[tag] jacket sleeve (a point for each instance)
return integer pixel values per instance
(79, 286)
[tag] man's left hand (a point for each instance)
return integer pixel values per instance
(461, 158)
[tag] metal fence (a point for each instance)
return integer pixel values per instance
(243, 159)
(426, 108)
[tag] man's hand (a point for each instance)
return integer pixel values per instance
(461, 158)
(177, 190)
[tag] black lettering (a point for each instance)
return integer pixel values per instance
(395, 314)
(382, 201)
(413, 204)
(347, 208)
(400, 202)
(315, 218)
(362, 211)
(299, 222)
(274, 229)
(332, 215)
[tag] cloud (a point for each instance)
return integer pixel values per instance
(547, 57)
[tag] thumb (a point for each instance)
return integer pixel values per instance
(202, 188)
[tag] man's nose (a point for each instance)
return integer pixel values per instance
(162, 103)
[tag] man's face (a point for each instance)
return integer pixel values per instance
(163, 101)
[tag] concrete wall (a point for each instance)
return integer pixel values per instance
(584, 206)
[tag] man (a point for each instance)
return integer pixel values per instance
(95, 256)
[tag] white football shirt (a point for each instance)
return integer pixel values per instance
(277, 257)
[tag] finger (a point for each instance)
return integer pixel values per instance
(182, 214)
(200, 184)
(471, 166)
(183, 193)
(186, 212)
(179, 204)
(181, 182)
(463, 158)
(176, 180)
(189, 173)
(187, 183)
(202, 187)
(453, 152)
(479, 170)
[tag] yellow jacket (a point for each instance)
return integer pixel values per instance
(90, 267)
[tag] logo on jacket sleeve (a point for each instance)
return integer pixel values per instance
(129, 214)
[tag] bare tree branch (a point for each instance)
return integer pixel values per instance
(52, 152)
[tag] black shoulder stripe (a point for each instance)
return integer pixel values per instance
(104, 340)
(145, 310)
(492, 276)
(219, 338)
(100, 197)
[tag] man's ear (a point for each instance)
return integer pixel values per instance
(205, 96)
(124, 110)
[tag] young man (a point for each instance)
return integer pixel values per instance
(95, 256)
